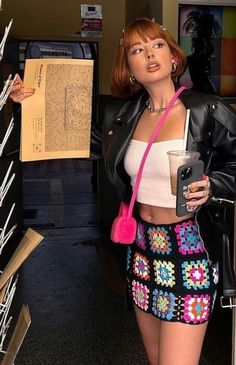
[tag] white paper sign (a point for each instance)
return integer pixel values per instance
(91, 20)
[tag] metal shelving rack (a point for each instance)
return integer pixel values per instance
(6, 168)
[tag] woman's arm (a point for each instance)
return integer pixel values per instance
(222, 172)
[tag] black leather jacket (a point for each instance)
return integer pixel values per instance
(212, 132)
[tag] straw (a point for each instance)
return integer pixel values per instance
(186, 129)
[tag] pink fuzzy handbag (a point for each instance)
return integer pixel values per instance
(124, 226)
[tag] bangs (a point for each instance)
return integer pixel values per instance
(142, 31)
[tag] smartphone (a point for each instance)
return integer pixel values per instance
(186, 174)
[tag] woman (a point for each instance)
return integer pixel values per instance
(172, 266)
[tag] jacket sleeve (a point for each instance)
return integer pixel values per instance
(222, 172)
(99, 131)
(96, 142)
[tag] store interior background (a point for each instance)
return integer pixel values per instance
(73, 282)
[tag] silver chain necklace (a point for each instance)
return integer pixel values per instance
(152, 109)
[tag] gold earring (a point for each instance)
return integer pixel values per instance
(132, 80)
(174, 67)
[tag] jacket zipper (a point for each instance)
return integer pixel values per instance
(221, 200)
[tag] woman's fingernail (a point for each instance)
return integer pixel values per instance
(193, 189)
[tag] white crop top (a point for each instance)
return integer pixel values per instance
(154, 188)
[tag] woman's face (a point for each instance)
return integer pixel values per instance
(150, 61)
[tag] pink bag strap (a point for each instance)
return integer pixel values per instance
(152, 139)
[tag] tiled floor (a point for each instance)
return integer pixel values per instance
(73, 283)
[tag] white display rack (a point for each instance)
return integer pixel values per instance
(4, 38)
(6, 136)
(6, 90)
(4, 237)
(5, 320)
(6, 184)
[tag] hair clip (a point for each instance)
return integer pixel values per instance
(153, 20)
(121, 39)
(162, 27)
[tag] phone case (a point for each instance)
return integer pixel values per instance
(186, 174)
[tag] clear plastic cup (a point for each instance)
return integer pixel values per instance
(178, 158)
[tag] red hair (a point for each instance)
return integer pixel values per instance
(141, 28)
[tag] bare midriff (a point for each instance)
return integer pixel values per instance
(160, 215)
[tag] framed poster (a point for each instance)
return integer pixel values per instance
(207, 34)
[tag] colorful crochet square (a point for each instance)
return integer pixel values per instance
(141, 266)
(140, 295)
(196, 308)
(164, 273)
(140, 237)
(196, 274)
(163, 304)
(128, 258)
(159, 240)
(188, 238)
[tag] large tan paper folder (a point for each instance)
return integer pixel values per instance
(56, 120)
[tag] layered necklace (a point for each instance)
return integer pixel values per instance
(152, 109)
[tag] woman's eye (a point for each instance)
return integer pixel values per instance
(136, 51)
(158, 45)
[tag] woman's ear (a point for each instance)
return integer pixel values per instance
(174, 59)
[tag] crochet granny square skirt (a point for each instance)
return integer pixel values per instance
(169, 274)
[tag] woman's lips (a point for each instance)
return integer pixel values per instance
(152, 67)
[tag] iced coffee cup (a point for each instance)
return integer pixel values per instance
(178, 158)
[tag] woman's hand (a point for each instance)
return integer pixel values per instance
(19, 92)
(199, 192)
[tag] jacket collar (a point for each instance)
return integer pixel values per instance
(214, 106)
(132, 109)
